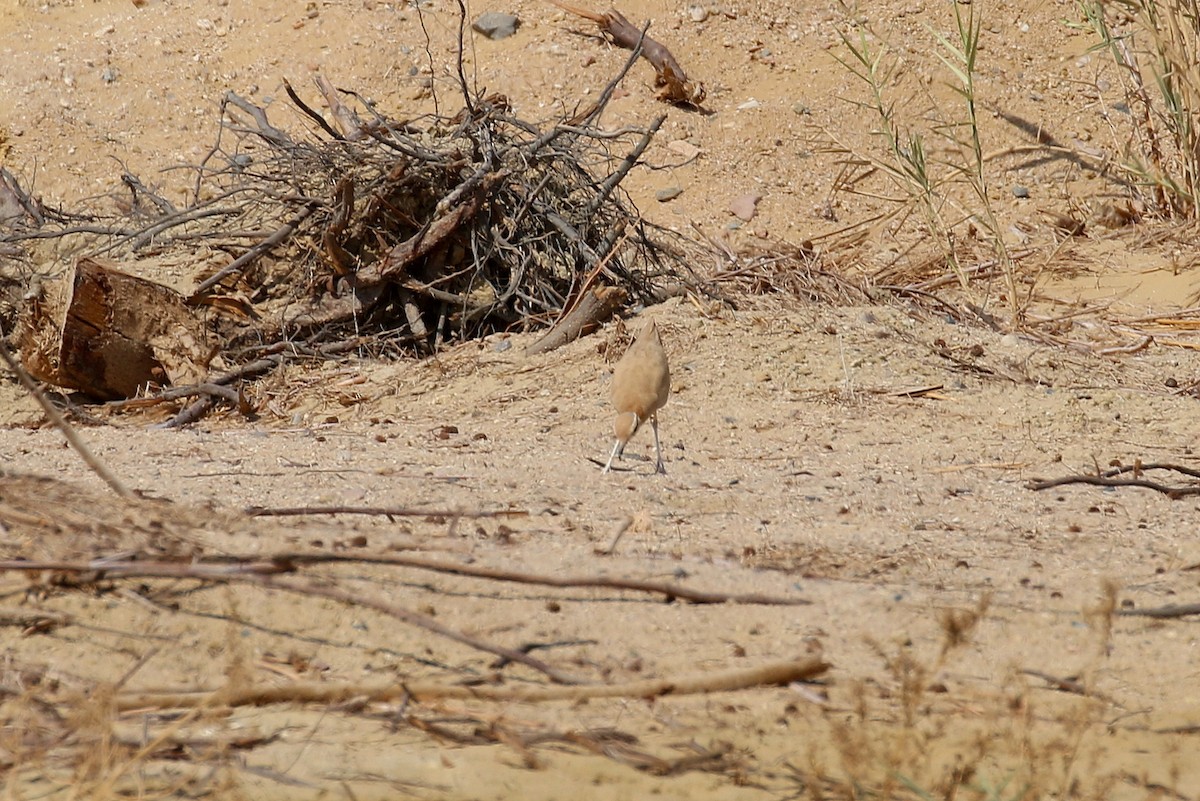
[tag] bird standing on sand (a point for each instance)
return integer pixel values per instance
(640, 386)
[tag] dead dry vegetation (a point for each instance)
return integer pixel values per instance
(369, 564)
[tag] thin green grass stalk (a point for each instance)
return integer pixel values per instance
(908, 164)
(1170, 29)
(1174, 37)
(1148, 167)
(961, 58)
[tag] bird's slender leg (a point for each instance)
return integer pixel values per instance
(616, 451)
(659, 467)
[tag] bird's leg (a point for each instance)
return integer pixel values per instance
(623, 433)
(659, 467)
(616, 451)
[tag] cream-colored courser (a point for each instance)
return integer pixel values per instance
(640, 386)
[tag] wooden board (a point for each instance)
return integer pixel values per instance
(110, 334)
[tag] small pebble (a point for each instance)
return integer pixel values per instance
(668, 194)
(745, 207)
(495, 25)
(684, 148)
(1020, 191)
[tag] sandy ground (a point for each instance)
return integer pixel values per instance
(801, 463)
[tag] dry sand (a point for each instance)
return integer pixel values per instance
(797, 465)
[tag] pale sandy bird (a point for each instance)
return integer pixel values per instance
(640, 386)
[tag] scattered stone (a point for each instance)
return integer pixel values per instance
(1020, 191)
(749, 104)
(495, 25)
(745, 207)
(684, 149)
(698, 13)
(668, 194)
(802, 109)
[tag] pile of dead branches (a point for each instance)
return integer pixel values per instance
(359, 233)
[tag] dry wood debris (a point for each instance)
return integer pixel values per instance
(676, 86)
(164, 557)
(364, 233)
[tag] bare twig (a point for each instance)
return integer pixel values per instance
(265, 574)
(1102, 481)
(98, 467)
(200, 407)
(1112, 478)
(618, 175)
(12, 188)
(594, 308)
(670, 591)
(1068, 685)
(229, 567)
(378, 511)
(676, 88)
(1163, 612)
(769, 675)
(347, 120)
(265, 129)
(306, 587)
(251, 255)
(312, 113)
(104, 569)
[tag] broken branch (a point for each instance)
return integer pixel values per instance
(676, 88)
(769, 675)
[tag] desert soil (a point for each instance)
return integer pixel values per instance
(807, 455)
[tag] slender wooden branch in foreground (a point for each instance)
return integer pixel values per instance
(377, 511)
(1163, 612)
(769, 675)
(76, 442)
(234, 567)
(264, 573)
(306, 587)
(670, 591)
